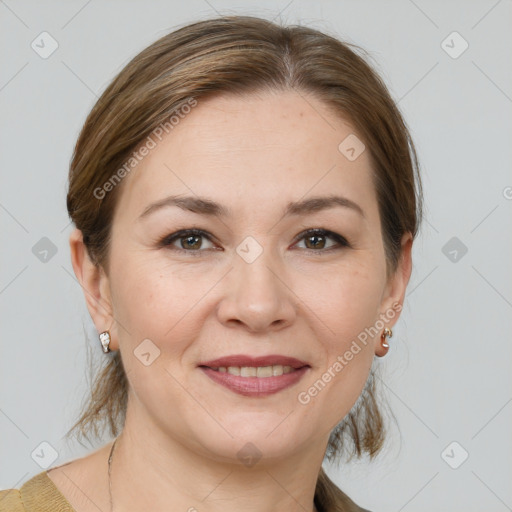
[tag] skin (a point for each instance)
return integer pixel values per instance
(182, 433)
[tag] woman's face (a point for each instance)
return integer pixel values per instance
(253, 282)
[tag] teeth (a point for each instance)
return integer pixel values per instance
(253, 371)
(264, 371)
(248, 371)
(278, 369)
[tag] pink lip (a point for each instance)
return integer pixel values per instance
(243, 360)
(255, 386)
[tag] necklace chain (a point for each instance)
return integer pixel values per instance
(109, 481)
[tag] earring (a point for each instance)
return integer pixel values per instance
(387, 333)
(105, 341)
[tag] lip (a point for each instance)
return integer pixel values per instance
(245, 360)
(255, 386)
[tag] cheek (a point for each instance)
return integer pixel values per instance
(160, 302)
(350, 300)
(348, 308)
(138, 300)
(153, 310)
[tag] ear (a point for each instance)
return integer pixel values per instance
(96, 287)
(394, 293)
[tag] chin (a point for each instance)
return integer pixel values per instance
(252, 448)
(265, 433)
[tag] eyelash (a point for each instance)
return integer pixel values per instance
(342, 242)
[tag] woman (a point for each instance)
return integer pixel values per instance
(245, 197)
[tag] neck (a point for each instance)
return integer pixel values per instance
(149, 467)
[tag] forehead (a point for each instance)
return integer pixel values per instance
(252, 151)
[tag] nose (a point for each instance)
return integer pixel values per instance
(257, 295)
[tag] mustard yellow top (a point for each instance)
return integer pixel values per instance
(39, 494)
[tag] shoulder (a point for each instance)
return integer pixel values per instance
(38, 494)
(10, 501)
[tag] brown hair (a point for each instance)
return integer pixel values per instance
(240, 55)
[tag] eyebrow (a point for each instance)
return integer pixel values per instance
(205, 206)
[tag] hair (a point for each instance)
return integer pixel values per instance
(240, 55)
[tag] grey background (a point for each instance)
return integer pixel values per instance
(447, 375)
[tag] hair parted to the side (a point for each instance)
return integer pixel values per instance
(241, 55)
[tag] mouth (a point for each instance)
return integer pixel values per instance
(255, 371)
(245, 361)
(256, 377)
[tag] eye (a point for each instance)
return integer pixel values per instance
(189, 240)
(316, 239)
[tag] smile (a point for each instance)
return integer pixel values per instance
(256, 371)
(254, 381)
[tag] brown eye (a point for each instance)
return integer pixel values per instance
(316, 240)
(189, 240)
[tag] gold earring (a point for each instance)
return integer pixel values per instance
(388, 333)
(105, 341)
